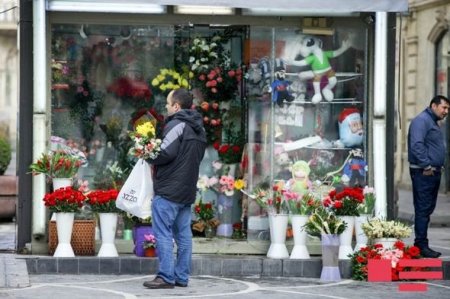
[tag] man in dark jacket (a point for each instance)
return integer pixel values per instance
(426, 156)
(175, 180)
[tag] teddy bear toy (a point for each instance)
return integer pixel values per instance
(319, 61)
(300, 183)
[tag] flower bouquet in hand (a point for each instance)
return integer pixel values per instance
(56, 164)
(64, 200)
(103, 201)
(146, 145)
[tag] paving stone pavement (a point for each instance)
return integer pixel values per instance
(13, 272)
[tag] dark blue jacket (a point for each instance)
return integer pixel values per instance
(426, 145)
(182, 150)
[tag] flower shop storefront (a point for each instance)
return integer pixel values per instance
(285, 101)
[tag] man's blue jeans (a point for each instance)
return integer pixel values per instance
(425, 192)
(172, 221)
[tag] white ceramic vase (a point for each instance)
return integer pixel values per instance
(386, 242)
(108, 225)
(61, 183)
(278, 226)
(64, 226)
(299, 251)
(345, 239)
(361, 238)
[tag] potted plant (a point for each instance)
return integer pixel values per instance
(57, 165)
(149, 245)
(325, 224)
(205, 218)
(8, 183)
(64, 202)
(386, 232)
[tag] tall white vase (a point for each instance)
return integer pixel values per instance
(299, 251)
(278, 226)
(108, 225)
(345, 239)
(61, 183)
(64, 225)
(361, 238)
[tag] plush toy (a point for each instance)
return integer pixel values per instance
(283, 163)
(318, 60)
(254, 78)
(264, 66)
(355, 169)
(280, 86)
(300, 177)
(350, 127)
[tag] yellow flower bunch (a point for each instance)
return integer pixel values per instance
(146, 129)
(239, 184)
(169, 79)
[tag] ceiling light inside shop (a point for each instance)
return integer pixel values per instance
(134, 6)
(294, 12)
(203, 10)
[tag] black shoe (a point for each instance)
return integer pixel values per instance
(158, 283)
(179, 284)
(428, 252)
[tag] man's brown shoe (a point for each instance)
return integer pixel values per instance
(158, 283)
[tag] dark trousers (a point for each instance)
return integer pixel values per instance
(425, 192)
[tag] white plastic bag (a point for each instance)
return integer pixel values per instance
(136, 195)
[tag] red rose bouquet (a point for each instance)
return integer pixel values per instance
(359, 259)
(345, 202)
(103, 201)
(64, 200)
(204, 211)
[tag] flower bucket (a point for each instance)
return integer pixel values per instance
(278, 226)
(386, 242)
(330, 260)
(61, 183)
(108, 225)
(64, 225)
(138, 237)
(299, 251)
(361, 238)
(225, 212)
(345, 239)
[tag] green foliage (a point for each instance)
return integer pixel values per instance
(5, 155)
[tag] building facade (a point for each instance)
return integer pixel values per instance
(259, 77)
(423, 71)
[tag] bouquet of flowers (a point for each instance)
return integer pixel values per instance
(359, 259)
(170, 79)
(219, 84)
(64, 200)
(103, 201)
(224, 183)
(300, 204)
(204, 211)
(272, 200)
(149, 241)
(203, 54)
(212, 120)
(369, 201)
(377, 228)
(345, 202)
(56, 164)
(323, 222)
(145, 146)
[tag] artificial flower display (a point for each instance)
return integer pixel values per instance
(103, 201)
(378, 228)
(64, 200)
(345, 202)
(359, 259)
(56, 164)
(145, 146)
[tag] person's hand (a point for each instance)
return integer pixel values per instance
(428, 171)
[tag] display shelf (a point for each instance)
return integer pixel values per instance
(352, 101)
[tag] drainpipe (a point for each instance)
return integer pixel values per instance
(39, 114)
(379, 119)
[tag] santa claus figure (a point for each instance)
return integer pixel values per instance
(350, 127)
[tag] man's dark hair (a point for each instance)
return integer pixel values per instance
(183, 97)
(437, 100)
